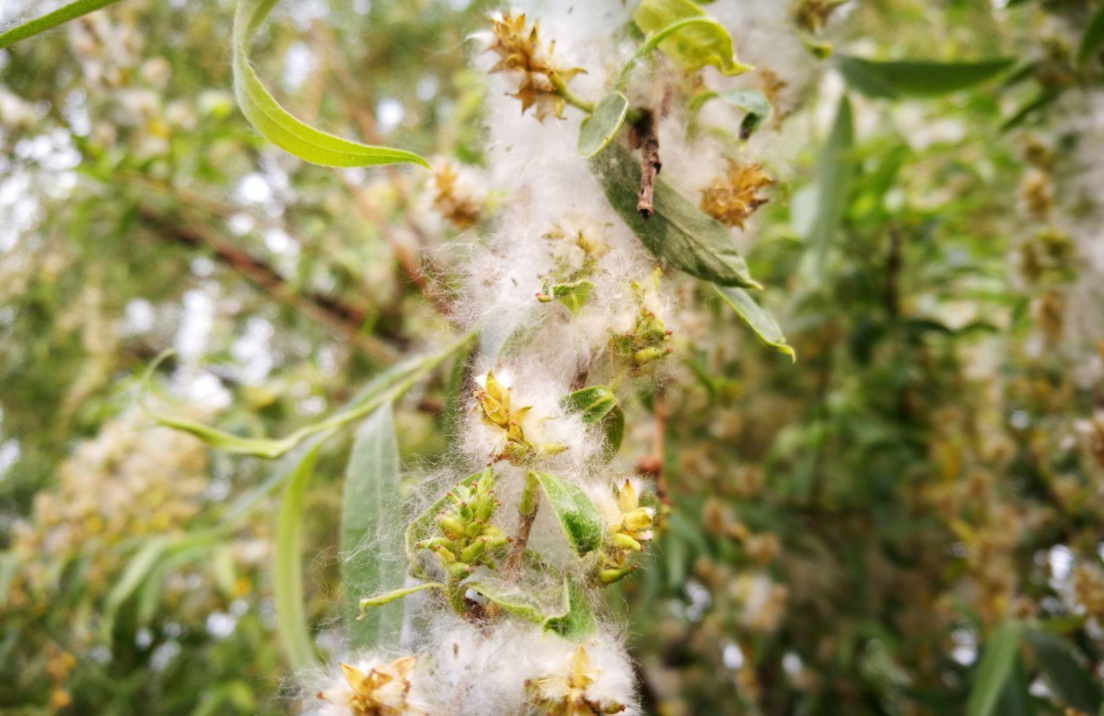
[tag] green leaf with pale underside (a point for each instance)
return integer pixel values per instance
(371, 529)
(678, 233)
(287, 571)
(756, 318)
(602, 125)
(598, 405)
(578, 517)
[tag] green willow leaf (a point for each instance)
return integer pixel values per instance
(277, 125)
(678, 233)
(598, 405)
(51, 20)
(602, 125)
(511, 598)
(891, 80)
(833, 180)
(996, 666)
(683, 32)
(1091, 41)
(573, 295)
(1015, 698)
(287, 566)
(756, 318)
(385, 388)
(578, 517)
(143, 564)
(371, 519)
(1066, 675)
(577, 621)
(754, 104)
(1043, 99)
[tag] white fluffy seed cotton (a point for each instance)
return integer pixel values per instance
(565, 296)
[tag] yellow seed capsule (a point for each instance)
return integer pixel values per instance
(627, 500)
(624, 541)
(639, 520)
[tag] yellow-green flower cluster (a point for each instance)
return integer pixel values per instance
(627, 535)
(467, 539)
(647, 341)
(497, 411)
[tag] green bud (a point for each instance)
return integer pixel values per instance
(648, 355)
(610, 576)
(452, 527)
(473, 551)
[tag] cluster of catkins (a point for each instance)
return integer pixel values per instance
(571, 309)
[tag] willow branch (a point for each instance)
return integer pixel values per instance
(341, 317)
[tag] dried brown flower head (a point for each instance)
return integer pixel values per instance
(452, 198)
(569, 694)
(519, 50)
(379, 690)
(734, 197)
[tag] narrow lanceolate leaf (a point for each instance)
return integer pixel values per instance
(51, 20)
(997, 662)
(578, 517)
(138, 570)
(683, 32)
(603, 124)
(891, 80)
(757, 319)
(678, 233)
(277, 125)
(388, 386)
(371, 532)
(1093, 38)
(291, 617)
(1015, 698)
(1065, 673)
(833, 178)
(577, 621)
(598, 405)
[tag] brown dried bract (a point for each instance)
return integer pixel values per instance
(734, 197)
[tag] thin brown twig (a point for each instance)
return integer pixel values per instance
(339, 316)
(652, 465)
(647, 138)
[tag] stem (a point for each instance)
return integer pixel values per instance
(527, 509)
(570, 97)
